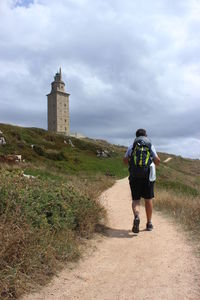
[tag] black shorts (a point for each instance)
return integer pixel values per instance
(141, 188)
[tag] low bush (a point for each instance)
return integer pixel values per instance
(40, 224)
(55, 155)
(38, 150)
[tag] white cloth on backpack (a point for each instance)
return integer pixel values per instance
(152, 174)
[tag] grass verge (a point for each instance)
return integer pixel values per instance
(42, 222)
(184, 208)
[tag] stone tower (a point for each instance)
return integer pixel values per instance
(58, 106)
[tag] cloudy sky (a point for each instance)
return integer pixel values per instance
(127, 64)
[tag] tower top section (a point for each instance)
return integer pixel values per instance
(58, 84)
(58, 76)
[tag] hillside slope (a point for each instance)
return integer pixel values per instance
(58, 153)
(179, 174)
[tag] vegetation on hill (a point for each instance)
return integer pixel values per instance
(53, 153)
(180, 175)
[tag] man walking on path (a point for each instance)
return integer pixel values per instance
(141, 157)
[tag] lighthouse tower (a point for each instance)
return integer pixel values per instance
(58, 106)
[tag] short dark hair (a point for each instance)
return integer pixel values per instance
(141, 132)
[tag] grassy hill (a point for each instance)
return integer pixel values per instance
(44, 219)
(47, 153)
(179, 174)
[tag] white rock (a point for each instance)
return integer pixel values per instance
(71, 144)
(2, 141)
(28, 176)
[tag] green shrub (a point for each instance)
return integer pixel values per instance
(55, 155)
(38, 150)
(40, 222)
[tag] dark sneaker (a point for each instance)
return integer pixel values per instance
(149, 226)
(136, 223)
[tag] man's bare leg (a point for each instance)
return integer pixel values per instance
(149, 209)
(136, 211)
(136, 207)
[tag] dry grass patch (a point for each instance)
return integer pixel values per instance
(185, 208)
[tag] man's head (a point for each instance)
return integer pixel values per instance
(141, 132)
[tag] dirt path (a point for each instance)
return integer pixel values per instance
(149, 266)
(167, 160)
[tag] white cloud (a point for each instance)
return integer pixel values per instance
(126, 65)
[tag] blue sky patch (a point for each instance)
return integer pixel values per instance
(24, 3)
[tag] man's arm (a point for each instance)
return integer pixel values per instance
(156, 160)
(127, 155)
(125, 160)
